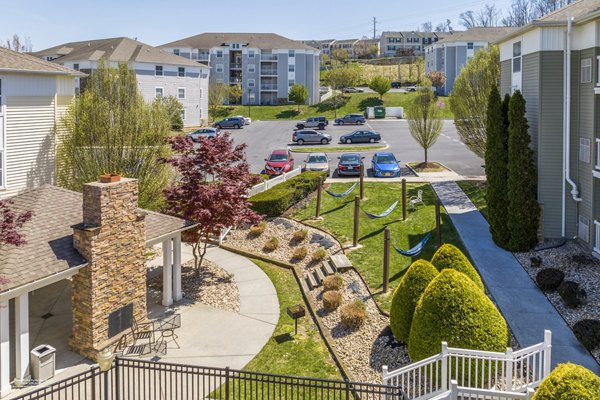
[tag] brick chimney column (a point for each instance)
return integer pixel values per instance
(112, 239)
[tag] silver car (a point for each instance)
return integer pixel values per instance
(317, 162)
(209, 133)
(310, 136)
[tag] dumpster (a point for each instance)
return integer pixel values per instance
(379, 112)
(43, 362)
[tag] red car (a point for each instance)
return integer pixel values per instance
(279, 162)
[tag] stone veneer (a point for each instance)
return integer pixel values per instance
(112, 239)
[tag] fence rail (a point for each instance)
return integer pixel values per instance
(130, 379)
(268, 184)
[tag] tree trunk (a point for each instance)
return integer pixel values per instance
(425, 149)
(199, 251)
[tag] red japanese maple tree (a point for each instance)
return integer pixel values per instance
(213, 178)
(10, 222)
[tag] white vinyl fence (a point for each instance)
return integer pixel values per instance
(491, 375)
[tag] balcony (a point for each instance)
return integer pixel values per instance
(597, 238)
(235, 81)
(268, 71)
(268, 57)
(268, 86)
(200, 57)
(235, 66)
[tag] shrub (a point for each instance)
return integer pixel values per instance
(536, 262)
(330, 104)
(572, 294)
(318, 255)
(454, 310)
(450, 257)
(353, 315)
(333, 282)
(569, 381)
(332, 300)
(407, 294)
(299, 235)
(271, 244)
(299, 253)
(257, 230)
(274, 202)
(549, 279)
(587, 332)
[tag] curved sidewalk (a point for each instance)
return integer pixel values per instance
(525, 307)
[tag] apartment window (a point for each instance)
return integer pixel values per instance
(181, 72)
(584, 150)
(181, 93)
(200, 92)
(251, 68)
(291, 82)
(158, 70)
(586, 70)
(200, 113)
(251, 53)
(176, 52)
(250, 82)
(470, 45)
(219, 53)
(219, 68)
(76, 67)
(291, 53)
(291, 68)
(516, 62)
(158, 92)
(183, 115)
(252, 98)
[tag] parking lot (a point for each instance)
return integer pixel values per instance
(264, 136)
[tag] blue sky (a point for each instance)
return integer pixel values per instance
(48, 23)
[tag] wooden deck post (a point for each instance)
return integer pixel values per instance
(403, 199)
(319, 189)
(386, 258)
(356, 219)
(362, 180)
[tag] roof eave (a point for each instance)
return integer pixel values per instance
(74, 74)
(533, 25)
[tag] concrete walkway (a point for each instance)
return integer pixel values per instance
(526, 309)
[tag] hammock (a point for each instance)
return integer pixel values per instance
(415, 250)
(343, 194)
(383, 214)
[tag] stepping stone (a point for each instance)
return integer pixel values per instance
(340, 262)
(328, 269)
(323, 241)
(319, 275)
(284, 222)
(311, 281)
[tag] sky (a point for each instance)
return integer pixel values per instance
(49, 23)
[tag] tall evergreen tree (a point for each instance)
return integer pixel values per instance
(524, 211)
(496, 164)
(505, 104)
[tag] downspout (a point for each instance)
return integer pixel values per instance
(567, 127)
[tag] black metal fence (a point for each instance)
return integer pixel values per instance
(131, 379)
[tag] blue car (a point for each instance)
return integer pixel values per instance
(385, 164)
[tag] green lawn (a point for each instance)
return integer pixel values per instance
(338, 214)
(476, 192)
(358, 104)
(303, 355)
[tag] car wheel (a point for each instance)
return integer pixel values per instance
(348, 141)
(300, 126)
(236, 126)
(371, 140)
(300, 141)
(218, 126)
(361, 122)
(321, 126)
(341, 123)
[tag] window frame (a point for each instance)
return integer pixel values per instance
(251, 83)
(176, 52)
(517, 57)
(179, 89)
(158, 68)
(470, 45)
(181, 72)
(253, 67)
(162, 92)
(291, 67)
(219, 67)
(251, 53)
(291, 53)
(219, 53)
(588, 69)
(183, 114)
(585, 150)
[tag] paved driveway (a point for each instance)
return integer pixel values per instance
(264, 136)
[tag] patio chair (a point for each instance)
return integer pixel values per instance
(142, 331)
(124, 349)
(414, 200)
(166, 327)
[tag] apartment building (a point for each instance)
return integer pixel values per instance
(159, 73)
(323, 45)
(266, 65)
(348, 45)
(452, 52)
(555, 63)
(410, 43)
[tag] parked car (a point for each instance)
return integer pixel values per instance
(395, 85)
(230, 122)
(247, 120)
(349, 164)
(385, 164)
(279, 162)
(313, 122)
(317, 162)
(353, 90)
(357, 119)
(310, 136)
(209, 133)
(360, 136)
(411, 88)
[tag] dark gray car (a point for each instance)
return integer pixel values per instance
(358, 119)
(231, 122)
(360, 136)
(310, 136)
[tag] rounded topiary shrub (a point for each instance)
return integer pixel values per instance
(549, 279)
(572, 294)
(333, 282)
(587, 332)
(450, 257)
(407, 294)
(569, 381)
(454, 310)
(332, 300)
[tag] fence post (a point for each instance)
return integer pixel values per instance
(226, 383)
(319, 189)
(509, 369)
(454, 389)
(386, 258)
(547, 352)
(403, 199)
(94, 383)
(117, 379)
(356, 218)
(347, 388)
(362, 180)
(444, 366)
(530, 393)
(438, 223)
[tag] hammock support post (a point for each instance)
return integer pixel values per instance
(403, 199)
(438, 223)
(356, 217)
(386, 258)
(362, 180)
(319, 189)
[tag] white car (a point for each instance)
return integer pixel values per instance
(317, 162)
(247, 120)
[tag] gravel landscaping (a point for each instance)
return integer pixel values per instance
(577, 265)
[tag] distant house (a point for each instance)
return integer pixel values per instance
(323, 45)
(33, 96)
(554, 62)
(158, 73)
(348, 45)
(367, 48)
(452, 52)
(410, 43)
(266, 65)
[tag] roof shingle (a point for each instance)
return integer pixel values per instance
(12, 61)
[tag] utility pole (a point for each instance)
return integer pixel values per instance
(374, 28)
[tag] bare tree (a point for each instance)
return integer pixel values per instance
(427, 26)
(488, 16)
(520, 13)
(17, 44)
(467, 19)
(543, 7)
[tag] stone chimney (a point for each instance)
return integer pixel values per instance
(112, 288)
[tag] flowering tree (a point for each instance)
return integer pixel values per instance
(10, 222)
(211, 188)
(437, 78)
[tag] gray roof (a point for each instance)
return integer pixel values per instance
(119, 49)
(209, 40)
(49, 235)
(12, 61)
(478, 35)
(415, 33)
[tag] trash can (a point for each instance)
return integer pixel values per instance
(379, 112)
(43, 362)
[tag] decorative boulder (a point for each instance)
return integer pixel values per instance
(569, 381)
(407, 294)
(450, 257)
(454, 310)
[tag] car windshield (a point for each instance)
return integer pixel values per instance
(385, 159)
(278, 157)
(317, 159)
(350, 159)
